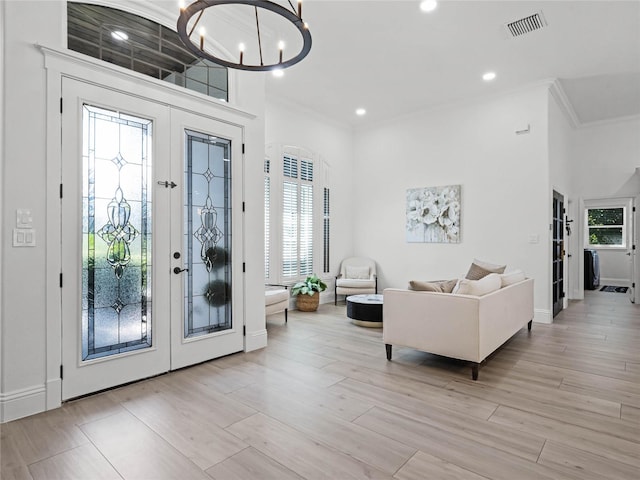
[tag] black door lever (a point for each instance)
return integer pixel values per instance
(177, 270)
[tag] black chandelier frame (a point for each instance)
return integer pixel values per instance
(199, 6)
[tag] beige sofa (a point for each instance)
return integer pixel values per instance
(466, 327)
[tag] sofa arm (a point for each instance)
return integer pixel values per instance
(440, 323)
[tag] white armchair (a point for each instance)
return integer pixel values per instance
(357, 275)
(276, 299)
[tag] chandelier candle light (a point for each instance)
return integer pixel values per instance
(197, 9)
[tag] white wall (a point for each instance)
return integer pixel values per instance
(24, 186)
(289, 125)
(560, 156)
(605, 158)
(505, 189)
(30, 312)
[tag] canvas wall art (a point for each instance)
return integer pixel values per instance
(433, 214)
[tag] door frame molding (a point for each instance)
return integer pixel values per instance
(59, 64)
(584, 202)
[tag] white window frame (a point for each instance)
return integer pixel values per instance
(607, 204)
(276, 153)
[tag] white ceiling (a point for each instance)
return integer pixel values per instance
(392, 59)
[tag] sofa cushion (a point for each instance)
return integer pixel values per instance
(355, 283)
(485, 285)
(421, 286)
(440, 286)
(358, 273)
(272, 297)
(480, 269)
(510, 278)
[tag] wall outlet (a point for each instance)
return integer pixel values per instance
(24, 237)
(534, 238)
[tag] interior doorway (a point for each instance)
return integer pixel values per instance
(152, 272)
(611, 230)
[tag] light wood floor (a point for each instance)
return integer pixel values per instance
(322, 402)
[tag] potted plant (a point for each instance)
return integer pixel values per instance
(308, 293)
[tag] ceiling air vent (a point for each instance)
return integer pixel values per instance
(526, 25)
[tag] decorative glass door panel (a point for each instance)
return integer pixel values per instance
(115, 245)
(207, 238)
(116, 237)
(207, 311)
(148, 259)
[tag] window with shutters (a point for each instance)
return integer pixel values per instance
(296, 215)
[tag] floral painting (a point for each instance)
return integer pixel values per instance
(433, 214)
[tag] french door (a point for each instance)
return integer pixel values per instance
(558, 252)
(149, 259)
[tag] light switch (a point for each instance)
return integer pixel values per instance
(24, 237)
(24, 218)
(534, 238)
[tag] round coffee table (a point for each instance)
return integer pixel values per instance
(365, 310)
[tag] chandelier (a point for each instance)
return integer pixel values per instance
(260, 7)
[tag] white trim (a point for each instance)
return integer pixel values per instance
(58, 64)
(610, 121)
(3, 156)
(559, 95)
(541, 315)
(75, 61)
(54, 393)
(22, 403)
(616, 282)
(255, 340)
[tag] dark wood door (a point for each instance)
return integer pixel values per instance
(557, 266)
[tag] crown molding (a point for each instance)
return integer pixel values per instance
(558, 93)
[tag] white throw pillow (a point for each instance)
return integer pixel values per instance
(485, 285)
(510, 278)
(359, 273)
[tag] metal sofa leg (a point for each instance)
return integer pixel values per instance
(529, 325)
(388, 347)
(474, 371)
(286, 314)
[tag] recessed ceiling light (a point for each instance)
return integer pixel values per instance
(360, 111)
(487, 77)
(428, 5)
(119, 35)
(278, 72)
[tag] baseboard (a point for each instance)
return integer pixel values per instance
(22, 403)
(255, 340)
(616, 282)
(542, 316)
(54, 393)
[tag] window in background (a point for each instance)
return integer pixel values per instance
(606, 227)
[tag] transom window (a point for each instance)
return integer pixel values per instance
(142, 45)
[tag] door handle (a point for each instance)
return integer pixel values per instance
(177, 270)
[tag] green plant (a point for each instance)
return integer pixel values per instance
(310, 285)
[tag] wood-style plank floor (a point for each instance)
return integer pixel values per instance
(322, 402)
